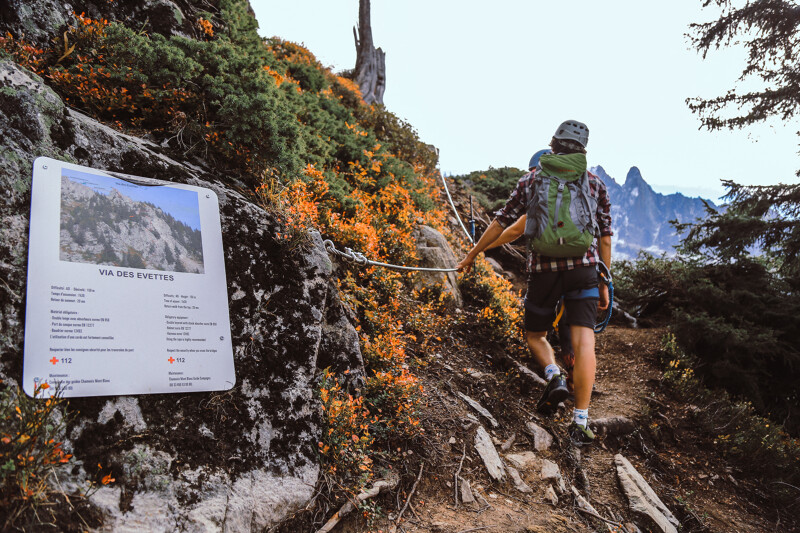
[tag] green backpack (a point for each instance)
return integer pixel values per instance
(561, 215)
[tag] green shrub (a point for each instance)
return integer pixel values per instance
(738, 319)
(492, 187)
(742, 435)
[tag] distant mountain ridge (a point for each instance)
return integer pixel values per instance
(640, 216)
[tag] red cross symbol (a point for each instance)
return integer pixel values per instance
(171, 360)
(54, 360)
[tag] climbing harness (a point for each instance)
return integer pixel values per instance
(450, 198)
(605, 277)
(351, 256)
(558, 315)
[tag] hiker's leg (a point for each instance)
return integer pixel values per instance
(581, 303)
(540, 349)
(540, 312)
(585, 365)
(567, 352)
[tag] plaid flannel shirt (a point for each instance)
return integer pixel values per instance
(517, 205)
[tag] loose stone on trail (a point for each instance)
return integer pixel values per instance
(550, 495)
(542, 440)
(584, 504)
(519, 484)
(613, 425)
(468, 421)
(487, 451)
(508, 443)
(643, 500)
(481, 409)
(466, 491)
(522, 461)
(551, 472)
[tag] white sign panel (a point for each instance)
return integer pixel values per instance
(126, 288)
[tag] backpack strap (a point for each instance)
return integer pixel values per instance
(586, 191)
(559, 198)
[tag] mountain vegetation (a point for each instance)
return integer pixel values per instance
(735, 312)
(301, 141)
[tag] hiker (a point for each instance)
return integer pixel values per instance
(562, 259)
(512, 233)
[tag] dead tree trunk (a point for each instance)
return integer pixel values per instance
(370, 72)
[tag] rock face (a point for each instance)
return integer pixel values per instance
(644, 502)
(39, 20)
(239, 460)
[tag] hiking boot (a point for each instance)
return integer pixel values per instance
(580, 435)
(554, 393)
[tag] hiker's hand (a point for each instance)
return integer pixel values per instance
(465, 265)
(603, 303)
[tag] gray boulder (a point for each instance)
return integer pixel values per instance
(239, 460)
(434, 251)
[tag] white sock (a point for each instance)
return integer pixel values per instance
(580, 416)
(550, 371)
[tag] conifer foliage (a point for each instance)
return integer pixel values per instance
(768, 29)
(731, 294)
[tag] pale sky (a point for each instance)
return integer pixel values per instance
(489, 82)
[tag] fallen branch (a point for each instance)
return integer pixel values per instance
(408, 500)
(787, 484)
(657, 402)
(379, 486)
(513, 498)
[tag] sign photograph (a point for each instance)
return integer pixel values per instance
(126, 290)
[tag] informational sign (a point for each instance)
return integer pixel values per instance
(126, 289)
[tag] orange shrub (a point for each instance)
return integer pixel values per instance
(345, 433)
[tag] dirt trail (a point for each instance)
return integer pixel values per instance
(704, 493)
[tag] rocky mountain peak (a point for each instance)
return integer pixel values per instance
(640, 216)
(634, 179)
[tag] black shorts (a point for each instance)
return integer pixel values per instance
(578, 287)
